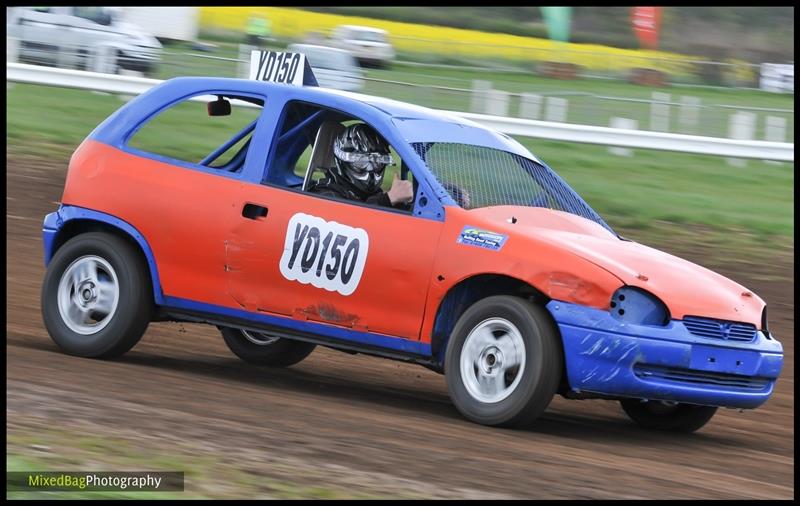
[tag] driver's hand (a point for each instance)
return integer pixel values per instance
(401, 192)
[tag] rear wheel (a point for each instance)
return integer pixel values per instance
(96, 296)
(263, 349)
(668, 416)
(503, 361)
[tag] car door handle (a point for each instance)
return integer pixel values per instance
(254, 211)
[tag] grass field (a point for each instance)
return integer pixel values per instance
(641, 194)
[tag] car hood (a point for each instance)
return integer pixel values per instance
(686, 288)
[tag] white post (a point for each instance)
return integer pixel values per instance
(243, 67)
(497, 103)
(627, 124)
(12, 55)
(62, 54)
(659, 112)
(775, 131)
(12, 49)
(530, 106)
(689, 114)
(742, 126)
(479, 95)
(104, 59)
(556, 109)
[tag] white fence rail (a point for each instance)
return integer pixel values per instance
(762, 150)
(68, 78)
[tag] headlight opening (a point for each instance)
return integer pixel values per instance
(637, 306)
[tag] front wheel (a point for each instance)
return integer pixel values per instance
(263, 349)
(675, 417)
(503, 362)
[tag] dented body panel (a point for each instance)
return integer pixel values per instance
(667, 363)
(390, 294)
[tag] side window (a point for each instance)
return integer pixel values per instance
(301, 166)
(293, 146)
(215, 134)
(304, 153)
(95, 14)
(394, 170)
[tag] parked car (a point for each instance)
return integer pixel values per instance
(369, 45)
(499, 275)
(73, 37)
(334, 68)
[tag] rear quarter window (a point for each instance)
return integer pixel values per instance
(186, 132)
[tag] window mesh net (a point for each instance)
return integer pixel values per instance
(476, 176)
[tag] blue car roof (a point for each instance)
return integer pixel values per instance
(414, 123)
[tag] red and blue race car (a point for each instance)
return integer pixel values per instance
(498, 274)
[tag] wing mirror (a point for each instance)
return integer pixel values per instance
(219, 107)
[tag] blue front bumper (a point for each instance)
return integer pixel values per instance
(606, 356)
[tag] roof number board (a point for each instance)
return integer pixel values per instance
(277, 67)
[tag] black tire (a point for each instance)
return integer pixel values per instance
(667, 417)
(261, 349)
(134, 308)
(540, 376)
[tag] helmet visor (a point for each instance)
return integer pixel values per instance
(364, 162)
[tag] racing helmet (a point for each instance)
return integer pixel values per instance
(361, 155)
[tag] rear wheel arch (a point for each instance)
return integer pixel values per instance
(96, 297)
(75, 227)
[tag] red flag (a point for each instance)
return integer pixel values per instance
(646, 21)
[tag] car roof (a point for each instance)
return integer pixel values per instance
(421, 124)
(415, 123)
(318, 47)
(396, 108)
(386, 106)
(363, 28)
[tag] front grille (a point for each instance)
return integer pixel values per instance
(694, 377)
(720, 329)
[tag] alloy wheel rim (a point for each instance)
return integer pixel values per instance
(88, 295)
(259, 338)
(492, 360)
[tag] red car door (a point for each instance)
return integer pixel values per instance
(305, 257)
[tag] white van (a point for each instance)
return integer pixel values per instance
(81, 37)
(369, 45)
(334, 68)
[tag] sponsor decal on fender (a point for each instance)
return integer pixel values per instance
(325, 254)
(483, 238)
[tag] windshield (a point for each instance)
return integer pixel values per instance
(99, 15)
(477, 176)
(321, 59)
(370, 36)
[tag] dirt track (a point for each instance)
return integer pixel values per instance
(367, 423)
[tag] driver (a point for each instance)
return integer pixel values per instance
(361, 156)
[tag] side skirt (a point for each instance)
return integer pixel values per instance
(185, 315)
